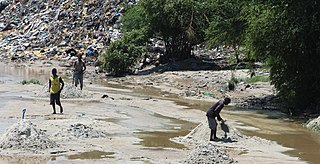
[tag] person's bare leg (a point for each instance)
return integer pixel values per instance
(54, 108)
(81, 82)
(211, 134)
(61, 109)
(215, 134)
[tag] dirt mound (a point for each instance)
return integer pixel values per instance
(207, 153)
(23, 135)
(69, 91)
(202, 132)
(79, 130)
(314, 124)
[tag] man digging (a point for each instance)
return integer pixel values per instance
(212, 113)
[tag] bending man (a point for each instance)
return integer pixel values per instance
(212, 113)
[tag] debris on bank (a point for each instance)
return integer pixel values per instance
(32, 30)
(314, 124)
(208, 153)
(24, 136)
(68, 91)
(80, 130)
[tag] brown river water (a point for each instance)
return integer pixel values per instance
(268, 125)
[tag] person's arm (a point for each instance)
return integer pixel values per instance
(84, 67)
(61, 81)
(49, 85)
(219, 117)
(217, 112)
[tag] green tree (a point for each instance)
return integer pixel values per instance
(287, 34)
(179, 23)
(227, 26)
(123, 53)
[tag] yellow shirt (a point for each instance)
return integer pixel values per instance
(55, 85)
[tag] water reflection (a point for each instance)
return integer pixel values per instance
(92, 155)
(306, 144)
(19, 73)
(161, 139)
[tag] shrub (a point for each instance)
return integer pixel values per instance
(259, 78)
(32, 81)
(122, 54)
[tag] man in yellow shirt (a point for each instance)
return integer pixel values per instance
(55, 90)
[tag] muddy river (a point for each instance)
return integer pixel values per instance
(265, 124)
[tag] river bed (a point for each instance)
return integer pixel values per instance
(264, 124)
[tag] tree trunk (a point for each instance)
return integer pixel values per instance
(177, 48)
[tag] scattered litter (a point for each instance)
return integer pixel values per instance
(208, 153)
(79, 130)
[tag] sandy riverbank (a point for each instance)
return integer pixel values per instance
(109, 126)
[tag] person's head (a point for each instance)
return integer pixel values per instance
(226, 101)
(79, 57)
(54, 71)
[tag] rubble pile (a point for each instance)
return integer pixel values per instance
(23, 135)
(208, 153)
(69, 91)
(3, 4)
(35, 30)
(314, 124)
(80, 130)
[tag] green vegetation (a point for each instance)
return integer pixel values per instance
(32, 81)
(227, 26)
(123, 53)
(258, 78)
(284, 34)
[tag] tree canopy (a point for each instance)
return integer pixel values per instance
(285, 34)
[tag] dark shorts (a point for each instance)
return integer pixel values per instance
(78, 78)
(55, 98)
(212, 123)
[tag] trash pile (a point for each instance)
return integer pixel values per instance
(34, 30)
(69, 91)
(3, 4)
(24, 136)
(80, 130)
(208, 153)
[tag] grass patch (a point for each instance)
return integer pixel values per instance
(32, 81)
(259, 78)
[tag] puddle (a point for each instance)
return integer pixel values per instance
(161, 139)
(92, 155)
(13, 74)
(113, 120)
(83, 156)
